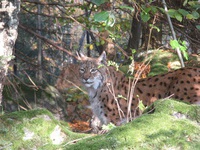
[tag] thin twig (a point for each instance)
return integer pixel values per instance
(75, 141)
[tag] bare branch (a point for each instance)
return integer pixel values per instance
(48, 41)
(52, 3)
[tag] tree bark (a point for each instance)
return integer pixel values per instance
(39, 43)
(134, 39)
(8, 35)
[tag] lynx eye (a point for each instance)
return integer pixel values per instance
(93, 70)
(82, 70)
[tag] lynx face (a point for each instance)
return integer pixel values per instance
(91, 74)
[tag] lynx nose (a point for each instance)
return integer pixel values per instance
(85, 79)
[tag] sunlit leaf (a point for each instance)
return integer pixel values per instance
(91, 47)
(141, 106)
(192, 3)
(185, 2)
(111, 20)
(108, 126)
(182, 46)
(185, 54)
(189, 16)
(174, 44)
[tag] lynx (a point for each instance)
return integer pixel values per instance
(108, 89)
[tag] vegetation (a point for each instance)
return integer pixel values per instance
(170, 124)
(131, 32)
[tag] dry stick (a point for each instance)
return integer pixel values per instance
(173, 33)
(76, 140)
(134, 82)
(76, 86)
(16, 92)
(31, 80)
(150, 33)
(112, 91)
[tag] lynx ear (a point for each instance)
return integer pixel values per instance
(80, 55)
(102, 57)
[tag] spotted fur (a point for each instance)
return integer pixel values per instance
(101, 82)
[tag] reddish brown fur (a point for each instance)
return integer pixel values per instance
(182, 84)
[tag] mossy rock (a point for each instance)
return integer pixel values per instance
(171, 125)
(168, 124)
(34, 129)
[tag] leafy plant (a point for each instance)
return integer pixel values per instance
(112, 63)
(181, 45)
(106, 18)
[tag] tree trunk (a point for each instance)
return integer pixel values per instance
(8, 35)
(134, 39)
(39, 44)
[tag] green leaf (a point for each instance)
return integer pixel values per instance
(185, 2)
(111, 20)
(154, 9)
(127, 7)
(189, 16)
(198, 27)
(183, 12)
(195, 15)
(101, 17)
(171, 12)
(98, 2)
(141, 106)
(174, 44)
(162, 10)
(183, 48)
(178, 16)
(147, 9)
(105, 17)
(102, 42)
(192, 3)
(145, 17)
(185, 54)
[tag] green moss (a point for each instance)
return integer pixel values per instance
(32, 130)
(167, 124)
(159, 130)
